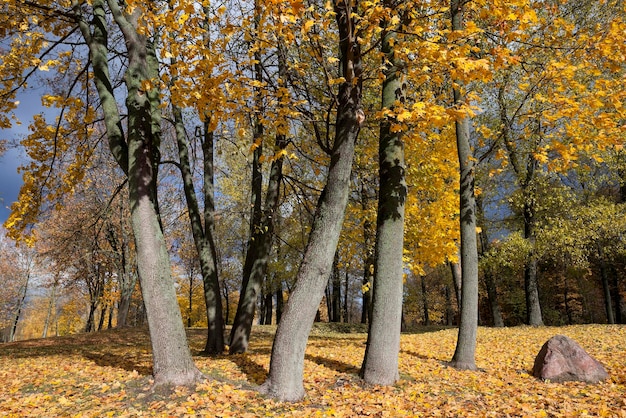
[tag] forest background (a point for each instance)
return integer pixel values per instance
(243, 116)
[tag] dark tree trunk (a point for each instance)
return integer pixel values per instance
(103, 314)
(425, 301)
(346, 309)
(138, 158)
(268, 308)
(606, 290)
(18, 313)
(368, 263)
(455, 268)
(449, 309)
(336, 292)
(490, 283)
(287, 361)
(380, 364)
(531, 284)
(262, 228)
(617, 298)
(279, 302)
(328, 299)
(261, 310)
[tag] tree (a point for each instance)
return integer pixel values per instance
(136, 151)
(380, 365)
(18, 264)
(287, 361)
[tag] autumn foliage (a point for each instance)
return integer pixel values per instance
(108, 374)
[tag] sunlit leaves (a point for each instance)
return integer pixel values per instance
(81, 375)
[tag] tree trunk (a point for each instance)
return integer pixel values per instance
(202, 234)
(279, 303)
(455, 268)
(172, 362)
(449, 310)
(425, 301)
(125, 298)
(287, 361)
(380, 364)
(20, 306)
(51, 305)
(346, 309)
(606, 289)
(466, 343)
(262, 222)
(257, 256)
(531, 285)
(490, 283)
(336, 291)
(327, 298)
(368, 263)
(268, 308)
(617, 298)
(103, 315)
(138, 158)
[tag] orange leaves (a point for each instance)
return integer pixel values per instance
(83, 375)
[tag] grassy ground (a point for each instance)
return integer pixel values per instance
(108, 374)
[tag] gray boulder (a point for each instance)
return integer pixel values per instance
(562, 359)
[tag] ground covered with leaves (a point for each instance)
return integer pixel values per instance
(108, 374)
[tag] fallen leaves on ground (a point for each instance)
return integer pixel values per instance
(108, 374)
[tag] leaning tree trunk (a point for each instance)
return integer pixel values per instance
(287, 361)
(466, 343)
(261, 231)
(258, 255)
(202, 235)
(380, 364)
(138, 158)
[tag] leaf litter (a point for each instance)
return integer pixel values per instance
(108, 374)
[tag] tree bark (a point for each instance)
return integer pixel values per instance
(262, 223)
(202, 235)
(279, 302)
(268, 308)
(20, 306)
(380, 364)
(51, 305)
(258, 256)
(336, 292)
(139, 159)
(368, 262)
(466, 343)
(606, 288)
(425, 301)
(455, 268)
(531, 284)
(287, 361)
(526, 177)
(617, 297)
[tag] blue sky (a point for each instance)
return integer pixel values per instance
(10, 180)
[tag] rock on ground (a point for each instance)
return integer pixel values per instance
(562, 359)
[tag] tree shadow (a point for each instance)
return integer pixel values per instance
(254, 372)
(126, 362)
(127, 348)
(336, 365)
